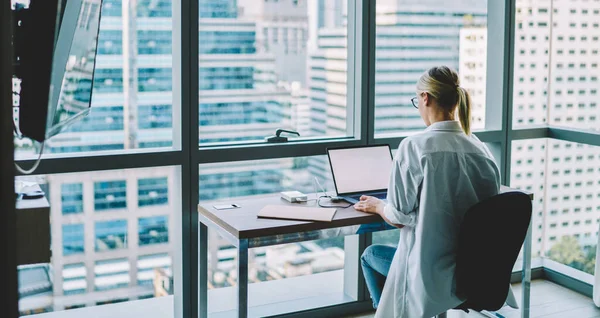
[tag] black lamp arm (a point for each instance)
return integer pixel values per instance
(279, 131)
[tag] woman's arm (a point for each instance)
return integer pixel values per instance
(374, 205)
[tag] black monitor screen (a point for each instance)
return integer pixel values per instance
(55, 54)
(73, 66)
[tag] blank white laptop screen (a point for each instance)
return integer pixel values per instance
(361, 169)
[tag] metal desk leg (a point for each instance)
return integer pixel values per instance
(202, 271)
(526, 275)
(242, 279)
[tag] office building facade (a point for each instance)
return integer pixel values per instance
(111, 229)
(556, 80)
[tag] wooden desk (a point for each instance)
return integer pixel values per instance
(243, 229)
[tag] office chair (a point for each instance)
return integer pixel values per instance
(489, 242)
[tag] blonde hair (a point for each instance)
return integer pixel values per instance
(443, 85)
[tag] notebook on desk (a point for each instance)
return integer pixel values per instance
(297, 213)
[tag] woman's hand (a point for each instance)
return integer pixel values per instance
(370, 205)
(373, 205)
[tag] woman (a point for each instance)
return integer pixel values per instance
(437, 176)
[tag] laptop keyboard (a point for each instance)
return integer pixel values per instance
(377, 195)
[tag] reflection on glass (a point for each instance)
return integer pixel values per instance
(111, 235)
(111, 274)
(73, 237)
(131, 93)
(564, 179)
(282, 64)
(127, 250)
(410, 39)
(557, 64)
(153, 230)
(76, 91)
(250, 178)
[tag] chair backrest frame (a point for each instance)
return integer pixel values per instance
(490, 240)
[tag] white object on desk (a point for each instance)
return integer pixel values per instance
(294, 196)
(297, 213)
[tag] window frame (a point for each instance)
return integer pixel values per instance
(187, 155)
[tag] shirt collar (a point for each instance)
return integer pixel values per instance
(448, 125)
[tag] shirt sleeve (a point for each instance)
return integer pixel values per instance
(403, 195)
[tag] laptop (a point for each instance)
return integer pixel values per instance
(363, 170)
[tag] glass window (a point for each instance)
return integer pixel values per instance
(154, 9)
(411, 39)
(279, 262)
(153, 230)
(110, 42)
(132, 97)
(248, 178)
(108, 80)
(111, 8)
(109, 195)
(148, 266)
(153, 191)
(108, 118)
(110, 235)
(256, 77)
(155, 116)
(71, 196)
(578, 46)
(74, 279)
(81, 241)
(111, 274)
(73, 239)
(155, 79)
(558, 187)
(154, 42)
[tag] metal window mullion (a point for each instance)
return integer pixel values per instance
(529, 133)
(8, 230)
(270, 151)
(494, 136)
(368, 69)
(574, 135)
(186, 279)
(509, 66)
(367, 88)
(79, 163)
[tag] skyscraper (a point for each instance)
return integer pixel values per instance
(111, 229)
(556, 81)
(411, 36)
(282, 30)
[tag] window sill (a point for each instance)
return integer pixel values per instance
(265, 299)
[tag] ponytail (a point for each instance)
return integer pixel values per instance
(464, 109)
(443, 84)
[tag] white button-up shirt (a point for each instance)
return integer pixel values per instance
(436, 177)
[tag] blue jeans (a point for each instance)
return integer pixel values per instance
(375, 262)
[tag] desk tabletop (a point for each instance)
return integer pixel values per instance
(243, 222)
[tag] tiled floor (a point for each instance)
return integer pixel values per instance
(548, 300)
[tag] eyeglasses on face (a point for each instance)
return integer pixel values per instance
(415, 101)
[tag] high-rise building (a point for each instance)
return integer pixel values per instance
(555, 81)
(282, 30)
(472, 67)
(405, 48)
(112, 229)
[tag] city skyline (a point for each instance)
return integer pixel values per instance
(275, 65)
